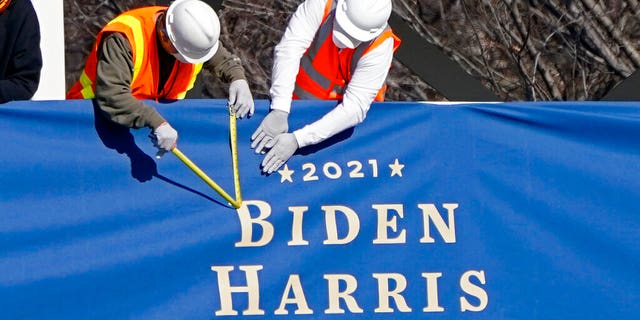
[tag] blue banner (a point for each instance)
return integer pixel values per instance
(424, 211)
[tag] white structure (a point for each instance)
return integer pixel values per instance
(52, 80)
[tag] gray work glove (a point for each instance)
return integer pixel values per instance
(275, 123)
(282, 147)
(165, 138)
(240, 98)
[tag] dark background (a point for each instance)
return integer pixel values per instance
(472, 50)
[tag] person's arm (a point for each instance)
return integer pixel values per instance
(225, 65)
(25, 63)
(297, 37)
(369, 76)
(228, 68)
(113, 86)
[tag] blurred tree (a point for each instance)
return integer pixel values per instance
(534, 50)
(520, 50)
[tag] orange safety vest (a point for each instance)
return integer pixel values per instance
(139, 27)
(4, 4)
(325, 70)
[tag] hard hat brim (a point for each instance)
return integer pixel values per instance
(351, 29)
(340, 36)
(195, 59)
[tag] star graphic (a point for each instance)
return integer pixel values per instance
(285, 174)
(396, 168)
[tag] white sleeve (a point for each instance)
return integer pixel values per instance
(297, 37)
(369, 76)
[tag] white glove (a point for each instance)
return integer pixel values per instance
(164, 138)
(282, 147)
(275, 123)
(240, 98)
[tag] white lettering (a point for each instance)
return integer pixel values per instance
(388, 229)
(298, 299)
(247, 222)
(384, 224)
(432, 292)
(353, 224)
(341, 289)
(474, 290)
(335, 294)
(430, 212)
(296, 227)
(225, 289)
(384, 294)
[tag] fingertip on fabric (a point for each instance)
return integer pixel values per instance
(255, 134)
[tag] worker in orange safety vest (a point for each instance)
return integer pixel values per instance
(332, 50)
(156, 53)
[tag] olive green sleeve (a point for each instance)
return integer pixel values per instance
(113, 86)
(225, 65)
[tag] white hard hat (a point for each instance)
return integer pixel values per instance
(193, 28)
(363, 20)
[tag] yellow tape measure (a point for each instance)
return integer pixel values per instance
(233, 133)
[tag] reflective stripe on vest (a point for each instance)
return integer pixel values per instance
(87, 86)
(138, 38)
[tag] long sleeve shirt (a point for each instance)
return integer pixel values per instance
(115, 73)
(368, 77)
(20, 55)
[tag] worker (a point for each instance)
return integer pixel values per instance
(20, 55)
(155, 53)
(331, 50)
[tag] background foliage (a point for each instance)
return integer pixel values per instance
(519, 50)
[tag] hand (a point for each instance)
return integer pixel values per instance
(275, 123)
(165, 138)
(240, 98)
(282, 147)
